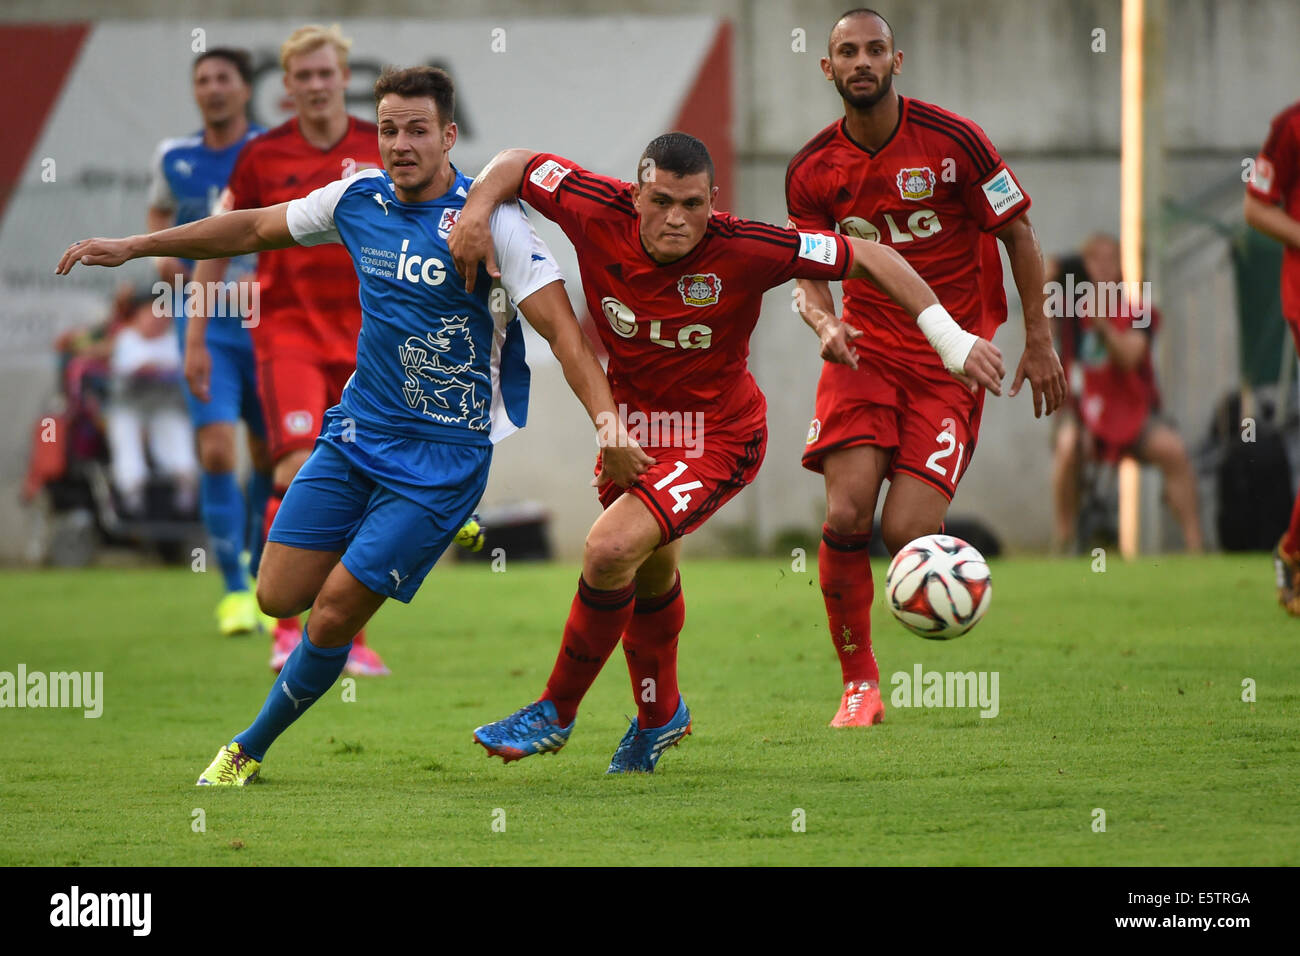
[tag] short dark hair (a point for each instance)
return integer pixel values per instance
(239, 59)
(420, 81)
(678, 153)
(867, 12)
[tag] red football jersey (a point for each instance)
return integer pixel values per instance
(1277, 181)
(935, 191)
(1115, 402)
(677, 333)
(308, 295)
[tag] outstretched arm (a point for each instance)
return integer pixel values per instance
(963, 353)
(471, 238)
(230, 234)
(549, 312)
(157, 220)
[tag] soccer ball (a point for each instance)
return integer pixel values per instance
(938, 586)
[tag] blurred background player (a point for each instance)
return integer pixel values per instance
(680, 287)
(146, 406)
(188, 176)
(929, 184)
(305, 337)
(1272, 205)
(1108, 356)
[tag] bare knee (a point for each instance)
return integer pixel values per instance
(848, 515)
(332, 622)
(216, 448)
(1165, 448)
(277, 601)
(656, 577)
(898, 529)
(607, 557)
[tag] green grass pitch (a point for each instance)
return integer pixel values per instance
(1120, 691)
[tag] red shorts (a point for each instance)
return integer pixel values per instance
(682, 492)
(295, 394)
(930, 422)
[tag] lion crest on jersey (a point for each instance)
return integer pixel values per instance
(449, 217)
(700, 290)
(916, 184)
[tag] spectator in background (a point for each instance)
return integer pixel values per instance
(1115, 405)
(84, 353)
(146, 404)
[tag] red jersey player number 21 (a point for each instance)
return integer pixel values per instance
(928, 184)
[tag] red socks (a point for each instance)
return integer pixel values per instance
(1291, 542)
(596, 621)
(845, 571)
(650, 646)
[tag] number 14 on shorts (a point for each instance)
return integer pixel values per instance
(680, 492)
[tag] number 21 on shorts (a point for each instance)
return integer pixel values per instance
(948, 444)
(680, 491)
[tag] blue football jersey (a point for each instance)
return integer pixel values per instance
(188, 178)
(433, 361)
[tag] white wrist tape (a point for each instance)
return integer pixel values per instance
(946, 337)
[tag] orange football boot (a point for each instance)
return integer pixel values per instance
(861, 706)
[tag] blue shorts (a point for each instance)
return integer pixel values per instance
(391, 534)
(233, 391)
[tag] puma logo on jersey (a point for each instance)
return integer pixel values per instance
(378, 197)
(397, 578)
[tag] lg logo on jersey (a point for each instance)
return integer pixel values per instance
(430, 271)
(922, 223)
(624, 323)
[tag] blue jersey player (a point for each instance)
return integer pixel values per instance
(403, 458)
(189, 173)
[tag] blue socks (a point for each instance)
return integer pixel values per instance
(222, 505)
(259, 489)
(308, 673)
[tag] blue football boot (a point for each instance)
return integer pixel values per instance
(534, 729)
(639, 750)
